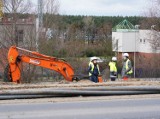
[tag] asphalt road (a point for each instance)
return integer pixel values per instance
(110, 109)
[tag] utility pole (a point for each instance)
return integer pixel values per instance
(136, 33)
(40, 13)
(39, 22)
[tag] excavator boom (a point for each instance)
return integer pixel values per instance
(37, 59)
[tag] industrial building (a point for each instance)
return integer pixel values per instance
(127, 38)
(142, 45)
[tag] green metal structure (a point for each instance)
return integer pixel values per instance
(124, 26)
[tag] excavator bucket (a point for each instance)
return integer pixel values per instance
(12, 71)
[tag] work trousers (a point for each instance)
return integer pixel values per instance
(113, 76)
(94, 78)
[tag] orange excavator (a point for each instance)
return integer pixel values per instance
(12, 72)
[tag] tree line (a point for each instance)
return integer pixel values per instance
(87, 35)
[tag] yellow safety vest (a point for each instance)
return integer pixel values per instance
(92, 68)
(131, 71)
(112, 66)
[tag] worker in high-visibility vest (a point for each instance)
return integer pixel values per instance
(113, 69)
(93, 69)
(127, 69)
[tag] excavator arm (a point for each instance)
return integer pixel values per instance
(37, 59)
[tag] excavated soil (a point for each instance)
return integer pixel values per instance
(82, 83)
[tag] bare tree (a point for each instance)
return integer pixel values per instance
(50, 42)
(17, 27)
(155, 40)
(50, 10)
(51, 6)
(17, 6)
(89, 28)
(50, 38)
(152, 13)
(13, 9)
(153, 23)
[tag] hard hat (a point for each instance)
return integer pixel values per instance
(114, 58)
(125, 55)
(93, 58)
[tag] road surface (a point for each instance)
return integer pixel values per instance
(95, 109)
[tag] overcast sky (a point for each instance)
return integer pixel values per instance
(103, 7)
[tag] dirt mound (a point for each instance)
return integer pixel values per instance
(82, 83)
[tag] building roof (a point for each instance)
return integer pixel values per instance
(124, 26)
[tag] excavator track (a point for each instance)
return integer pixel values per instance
(7, 74)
